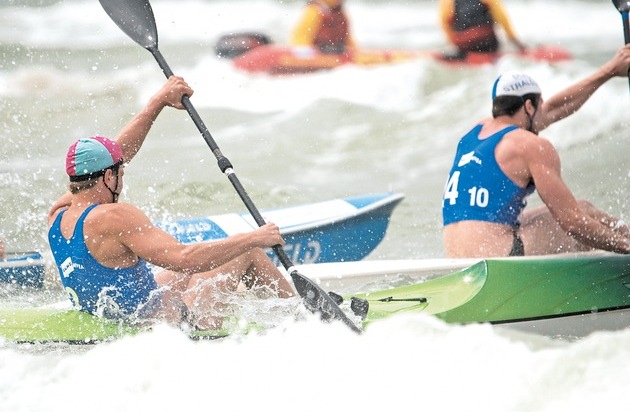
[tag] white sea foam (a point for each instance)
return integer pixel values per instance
(69, 71)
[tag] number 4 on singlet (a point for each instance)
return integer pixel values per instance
(478, 196)
(450, 191)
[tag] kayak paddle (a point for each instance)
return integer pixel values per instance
(135, 18)
(624, 8)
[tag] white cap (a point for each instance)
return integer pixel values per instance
(514, 84)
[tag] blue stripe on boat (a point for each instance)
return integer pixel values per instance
(23, 269)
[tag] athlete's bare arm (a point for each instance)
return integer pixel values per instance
(544, 165)
(125, 232)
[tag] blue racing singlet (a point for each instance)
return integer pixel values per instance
(477, 188)
(97, 289)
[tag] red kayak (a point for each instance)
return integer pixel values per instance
(279, 60)
(255, 53)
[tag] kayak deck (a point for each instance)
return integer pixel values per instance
(502, 291)
(54, 325)
(570, 296)
(328, 231)
(283, 60)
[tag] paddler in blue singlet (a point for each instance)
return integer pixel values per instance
(470, 25)
(502, 160)
(102, 247)
(325, 27)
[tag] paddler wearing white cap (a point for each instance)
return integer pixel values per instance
(502, 160)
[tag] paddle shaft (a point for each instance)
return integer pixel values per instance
(315, 298)
(626, 34)
(135, 18)
(224, 163)
(623, 6)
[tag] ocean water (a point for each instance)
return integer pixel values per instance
(67, 71)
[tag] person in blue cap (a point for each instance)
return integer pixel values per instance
(502, 160)
(102, 247)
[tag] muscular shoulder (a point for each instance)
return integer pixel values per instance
(541, 156)
(523, 155)
(528, 144)
(62, 203)
(116, 209)
(539, 149)
(118, 217)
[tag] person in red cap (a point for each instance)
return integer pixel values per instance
(502, 160)
(102, 247)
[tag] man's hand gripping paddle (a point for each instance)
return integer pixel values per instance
(135, 18)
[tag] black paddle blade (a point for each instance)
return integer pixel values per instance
(316, 300)
(622, 5)
(135, 18)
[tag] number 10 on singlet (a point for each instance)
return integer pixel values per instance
(479, 196)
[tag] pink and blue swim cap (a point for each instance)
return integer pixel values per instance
(89, 158)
